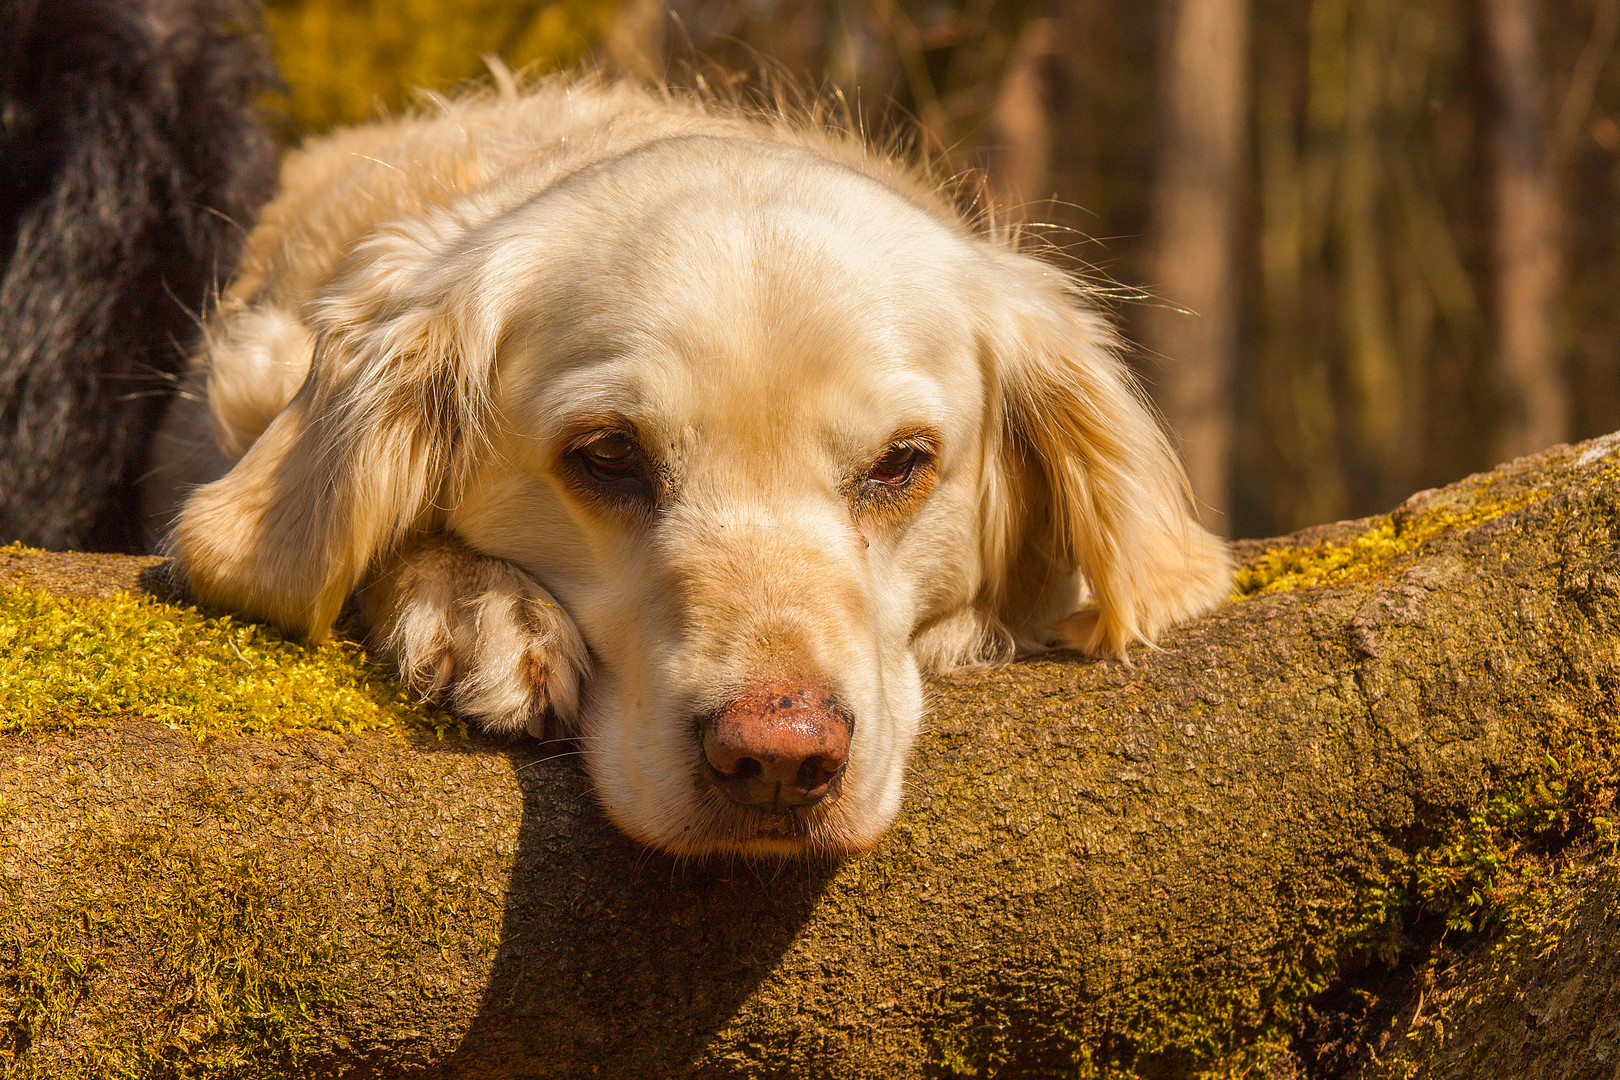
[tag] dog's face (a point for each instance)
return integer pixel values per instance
(739, 436)
(778, 440)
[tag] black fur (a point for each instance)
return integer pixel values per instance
(132, 161)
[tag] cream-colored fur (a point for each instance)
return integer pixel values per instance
(438, 313)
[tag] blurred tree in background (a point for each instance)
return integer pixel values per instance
(347, 61)
(1368, 245)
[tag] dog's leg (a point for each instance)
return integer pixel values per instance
(478, 634)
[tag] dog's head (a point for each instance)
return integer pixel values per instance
(779, 439)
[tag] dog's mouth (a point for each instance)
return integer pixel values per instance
(778, 828)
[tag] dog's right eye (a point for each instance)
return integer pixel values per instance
(610, 458)
(895, 468)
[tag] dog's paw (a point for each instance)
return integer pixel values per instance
(480, 636)
(507, 657)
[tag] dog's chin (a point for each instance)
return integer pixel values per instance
(716, 827)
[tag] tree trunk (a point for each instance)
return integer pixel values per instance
(1019, 139)
(1150, 869)
(1194, 233)
(1528, 265)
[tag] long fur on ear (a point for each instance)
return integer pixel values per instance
(1086, 483)
(374, 439)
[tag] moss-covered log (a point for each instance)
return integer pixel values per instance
(1536, 999)
(1157, 868)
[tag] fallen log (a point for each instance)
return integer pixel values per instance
(1538, 999)
(1157, 868)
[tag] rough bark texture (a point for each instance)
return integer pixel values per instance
(1153, 869)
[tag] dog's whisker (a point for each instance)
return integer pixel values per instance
(379, 161)
(549, 758)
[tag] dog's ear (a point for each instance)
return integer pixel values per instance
(396, 395)
(1085, 481)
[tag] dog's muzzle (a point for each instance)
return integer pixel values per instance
(778, 746)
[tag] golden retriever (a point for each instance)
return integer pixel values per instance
(701, 433)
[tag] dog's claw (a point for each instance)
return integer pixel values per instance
(443, 671)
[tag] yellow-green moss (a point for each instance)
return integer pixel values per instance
(240, 956)
(243, 960)
(65, 663)
(1342, 562)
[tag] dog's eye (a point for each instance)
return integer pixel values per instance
(895, 468)
(610, 457)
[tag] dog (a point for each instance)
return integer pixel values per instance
(132, 160)
(697, 434)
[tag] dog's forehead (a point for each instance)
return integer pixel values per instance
(658, 188)
(737, 228)
(771, 292)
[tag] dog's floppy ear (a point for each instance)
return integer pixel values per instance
(397, 391)
(1085, 481)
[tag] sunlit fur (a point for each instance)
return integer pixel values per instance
(767, 304)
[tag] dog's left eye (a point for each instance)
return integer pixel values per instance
(895, 468)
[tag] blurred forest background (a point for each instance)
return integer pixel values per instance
(1364, 246)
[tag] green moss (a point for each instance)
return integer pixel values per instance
(1367, 554)
(1491, 871)
(1181, 1024)
(1497, 874)
(69, 662)
(243, 955)
(1499, 877)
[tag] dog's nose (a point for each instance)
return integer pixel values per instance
(779, 745)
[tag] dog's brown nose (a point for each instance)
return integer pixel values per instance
(780, 745)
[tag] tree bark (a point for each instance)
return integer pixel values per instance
(1194, 233)
(1104, 868)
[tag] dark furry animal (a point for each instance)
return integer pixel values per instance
(132, 162)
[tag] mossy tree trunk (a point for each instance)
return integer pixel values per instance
(1152, 869)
